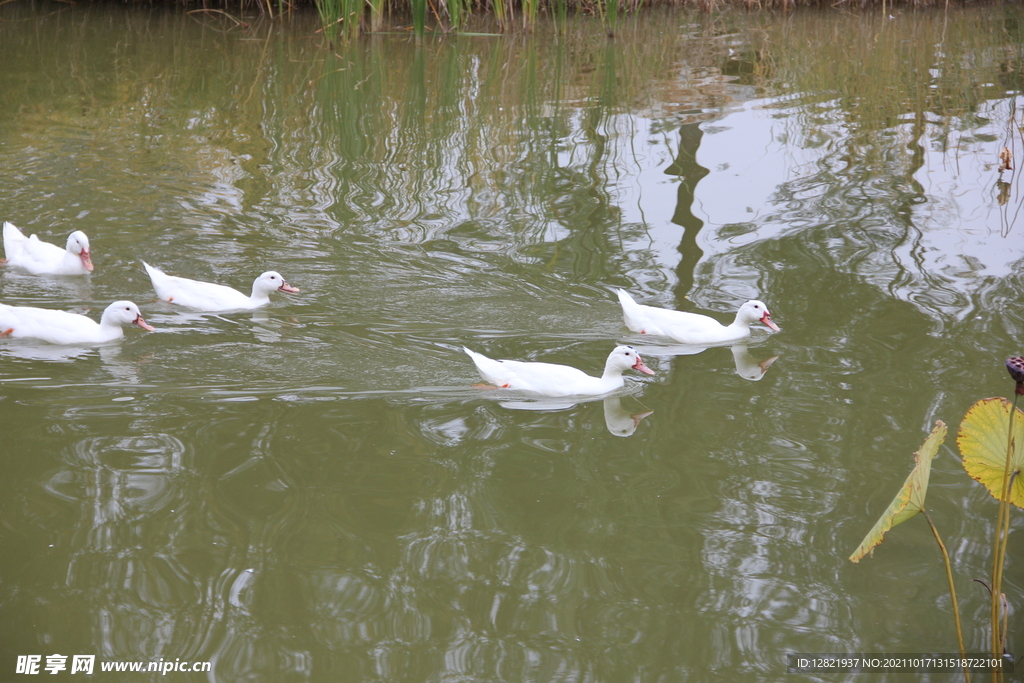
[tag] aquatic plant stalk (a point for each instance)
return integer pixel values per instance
(455, 11)
(1002, 536)
(419, 17)
(560, 14)
(329, 12)
(952, 591)
(499, 12)
(352, 12)
(529, 9)
(376, 14)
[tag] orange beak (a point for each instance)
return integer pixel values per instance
(285, 287)
(766, 319)
(639, 365)
(142, 323)
(86, 260)
(639, 416)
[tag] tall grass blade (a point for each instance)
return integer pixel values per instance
(499, 12)
(529, 9)
(419, 17)
(376, 14)
(352, 12)
(560, 13)
(329, 12)
(613, 16)
(455, 11)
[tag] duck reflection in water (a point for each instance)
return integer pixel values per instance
(618, 420)
(123, 369)
(747, 366)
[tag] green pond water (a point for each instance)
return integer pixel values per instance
(316, 491)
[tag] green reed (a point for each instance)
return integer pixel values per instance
(500, 12)
(609, 10)
(419, 17)
(455, 11)
(560, 14)
(330, 13)
(528, 9)
(376, 9)
(356, 15)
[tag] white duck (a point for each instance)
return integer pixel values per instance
(207, 296)
(692, 328)
(549, 379)
(43, 258)
(61, 327)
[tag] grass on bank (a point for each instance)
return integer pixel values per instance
(349, 18)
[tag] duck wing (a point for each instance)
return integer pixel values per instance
(195, 294)
(56, 327)
(549, 379)
(38, 256)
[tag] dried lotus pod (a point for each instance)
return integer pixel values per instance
(1005, 159)
(1015, 366)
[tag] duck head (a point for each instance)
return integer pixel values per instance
(271, 281)
(78, 244)
(626, 358)
(756, 312)
(124, 313)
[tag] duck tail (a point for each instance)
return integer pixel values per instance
(151, 270)
(477, 358)
(630, 311)
(490, 370)
(14, 239)
(624, 298)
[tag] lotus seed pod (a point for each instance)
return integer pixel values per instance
(1015, 366)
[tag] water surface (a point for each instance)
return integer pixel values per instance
(316, 491)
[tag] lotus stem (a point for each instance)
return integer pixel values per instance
(952, 591)
(1002, 536)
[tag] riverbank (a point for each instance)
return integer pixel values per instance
(341, 18)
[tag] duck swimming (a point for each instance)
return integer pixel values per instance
(208, 296)
(693, 328)
(43, 258)
(550, 379)
(61, 327)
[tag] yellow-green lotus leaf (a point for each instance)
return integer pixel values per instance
(982, 442)
(910, 499)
